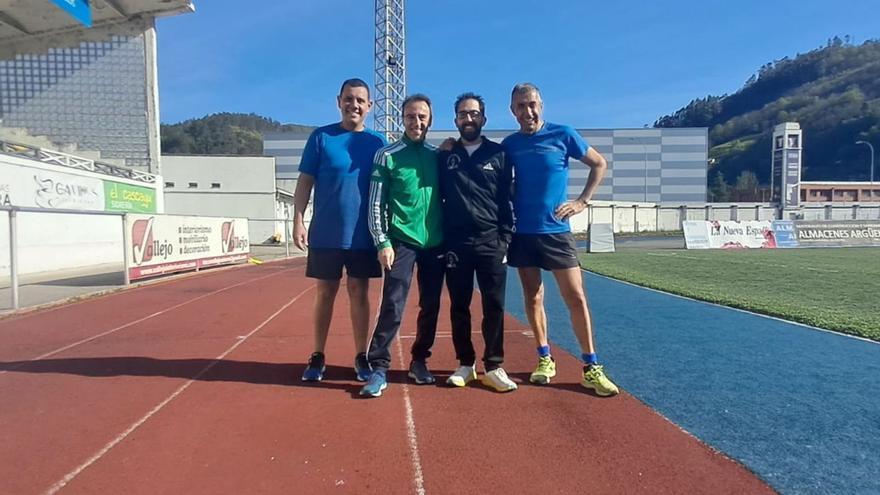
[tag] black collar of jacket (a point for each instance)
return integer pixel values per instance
(487, 146)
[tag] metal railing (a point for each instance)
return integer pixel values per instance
(72, 161)
(13, 211)
(16, 243)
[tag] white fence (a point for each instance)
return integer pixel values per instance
(648, 217)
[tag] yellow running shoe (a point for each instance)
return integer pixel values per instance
(544, 372)
(595, 379)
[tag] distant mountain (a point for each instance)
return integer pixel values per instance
(833, 92)
(222, 134)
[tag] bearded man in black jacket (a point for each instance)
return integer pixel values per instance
(475, 184)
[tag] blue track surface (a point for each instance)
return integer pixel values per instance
(798, 406)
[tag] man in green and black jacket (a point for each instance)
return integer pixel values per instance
(406, 225)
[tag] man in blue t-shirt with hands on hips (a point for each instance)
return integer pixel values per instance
(542, 239)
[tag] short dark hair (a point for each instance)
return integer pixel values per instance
(354, 82)
(416, 97)
(471, 96)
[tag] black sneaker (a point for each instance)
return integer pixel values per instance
(315, 370)
(362, 368)
(418, 371)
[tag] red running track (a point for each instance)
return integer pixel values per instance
(192, 386)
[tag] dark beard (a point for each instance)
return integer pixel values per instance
(470, 133)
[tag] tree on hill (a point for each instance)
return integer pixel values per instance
(833, 92)
(222, 134)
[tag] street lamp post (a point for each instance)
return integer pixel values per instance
(872, 157)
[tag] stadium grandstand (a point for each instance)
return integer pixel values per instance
(87, 91)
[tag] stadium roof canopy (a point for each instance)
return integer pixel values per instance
(21, 20)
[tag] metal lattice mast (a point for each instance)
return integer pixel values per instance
(390, 61)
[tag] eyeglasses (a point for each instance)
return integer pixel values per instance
(473, 114)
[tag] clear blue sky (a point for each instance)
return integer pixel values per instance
(598, 65)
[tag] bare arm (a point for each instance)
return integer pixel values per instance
(598, 167)
(301, 196)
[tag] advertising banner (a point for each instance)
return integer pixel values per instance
(159, 244)
(696, 234)
(786, 235)
(40, 188)
(127, 197)
(838, 233)
(781, 234)
(717, 234)
(44, 189)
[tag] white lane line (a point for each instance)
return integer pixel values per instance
(97, 456)
(145, 318)
(418, 479)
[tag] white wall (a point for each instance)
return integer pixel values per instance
(246, 189)
(56, 245)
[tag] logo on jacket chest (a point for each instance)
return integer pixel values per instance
(453, 162)
(491, 165)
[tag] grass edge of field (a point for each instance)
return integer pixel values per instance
(752, 308)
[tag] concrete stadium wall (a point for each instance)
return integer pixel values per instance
(224, 186)
(646, 217)
(53, 246)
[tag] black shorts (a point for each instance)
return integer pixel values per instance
(547, 251)
(326, 264)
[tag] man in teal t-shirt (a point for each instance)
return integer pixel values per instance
(336, 163)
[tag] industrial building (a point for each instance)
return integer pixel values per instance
(645, 165)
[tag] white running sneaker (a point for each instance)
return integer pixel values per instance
(497, 379)
(462, 376)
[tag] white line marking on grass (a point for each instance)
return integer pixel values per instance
(856, 337)
(418, 479)
(119, 438)
(145, 318)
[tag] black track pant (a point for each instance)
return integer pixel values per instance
(395, 289)
(487, 261)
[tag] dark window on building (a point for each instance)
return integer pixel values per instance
(215, 185)
(169, 184)
(193, 185)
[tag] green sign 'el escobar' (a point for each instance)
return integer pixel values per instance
(128, 198)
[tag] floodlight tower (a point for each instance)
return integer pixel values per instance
(390, 61)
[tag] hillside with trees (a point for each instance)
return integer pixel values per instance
(222, 134)
(833, 92)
